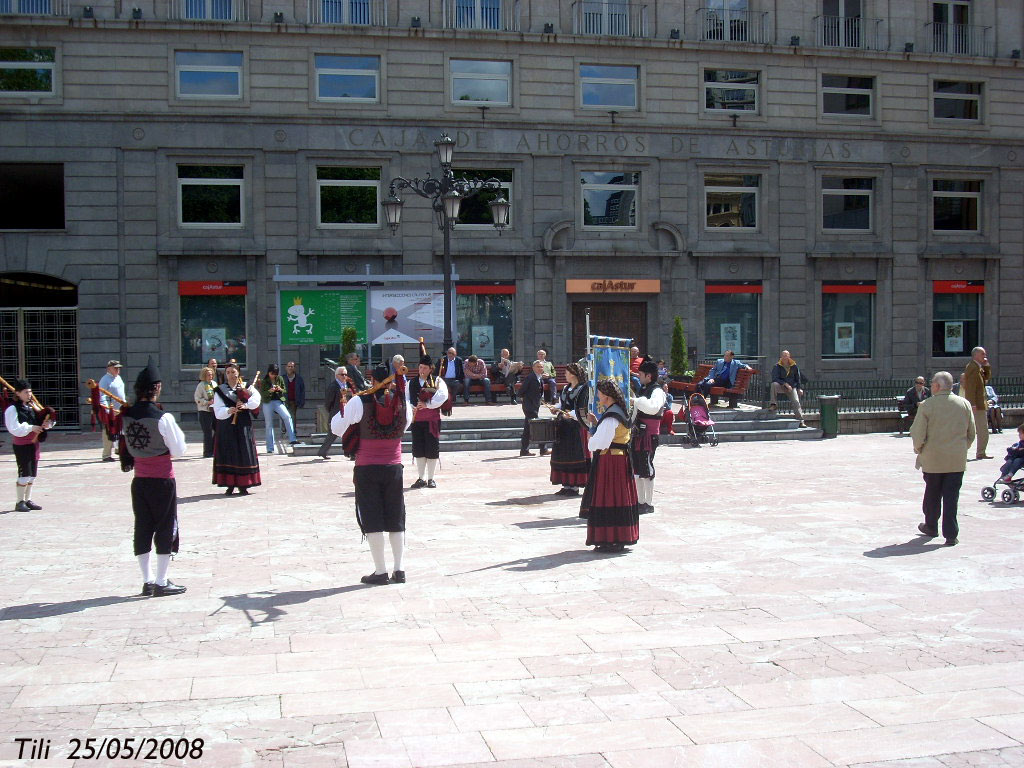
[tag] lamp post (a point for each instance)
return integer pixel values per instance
(446, 195)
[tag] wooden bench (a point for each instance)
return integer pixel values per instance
(737, 390)
(689, 387)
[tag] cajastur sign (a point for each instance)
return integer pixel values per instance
(612, 286)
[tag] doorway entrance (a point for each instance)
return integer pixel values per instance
(627, 319)
(39, 340)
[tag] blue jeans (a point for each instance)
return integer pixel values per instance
(270, 407)
(487, 388)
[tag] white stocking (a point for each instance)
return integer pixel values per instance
(163, 562)
(144, 566)
(28, 490)
(21, 491)
(376, 542)
(421, 464)
(397, 539)
(431, 466)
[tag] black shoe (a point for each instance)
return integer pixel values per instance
(109, 458)
(230, 490)
(170, 588)
(544, 451)
(646, 509)
(31, 504)
(398, 577)
(420, 483)
(431, 484)
(21, 506)
(375, 579)
(294, 442)
(147, 589)
(526, 453)
(929, 532)
(243, 491)
(616, 547)
(951, 542)
(514, 401)
(323, 456)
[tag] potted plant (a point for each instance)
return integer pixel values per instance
(679, 363)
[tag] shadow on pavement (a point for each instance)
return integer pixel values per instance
(201, 497)
(270, 603)
(46, 610)
(501, 458)
(915, 546)
(550, 523)
(540, 563)
(527, 501)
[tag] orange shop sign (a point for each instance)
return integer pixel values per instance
(613, 286)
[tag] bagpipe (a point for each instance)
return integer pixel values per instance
(108, 416)
(243, 395)
(350, 440)
(45, 416)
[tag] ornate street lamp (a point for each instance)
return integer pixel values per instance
(446, 195)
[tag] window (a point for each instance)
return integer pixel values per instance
(609, 198)
(214, 10)
(956, 317)
(956, 100)
(951, 30)
(847, 95)
(27, 71)
(31, 196)
(955, 205)
(484, 320)
(609, 86)
(731, 200)
(212, 321)
(346, 11)
(726, 20)
(732, 317)
(846, 312)
(841, 23)
(347, 78)
(347, 197)
(208, 74)
(210, 195)
(846, 203)
(481, 82)
(475, 211)
(477, 14)
(731, 90)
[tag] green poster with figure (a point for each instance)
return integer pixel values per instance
(319, 316)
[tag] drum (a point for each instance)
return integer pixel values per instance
(542, 431)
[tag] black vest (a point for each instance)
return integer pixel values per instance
(140, 427)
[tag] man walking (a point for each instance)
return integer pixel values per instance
(531, 393)
(354, 374)
(295, 392)
(334, 403)
(976, 375)
(942, 432)
(111, 382)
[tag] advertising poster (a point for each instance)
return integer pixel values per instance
(483, 341)
(844, 338)
(319, 316)
(214, 344)
(402, 316)
(955, 336)
(730, 336)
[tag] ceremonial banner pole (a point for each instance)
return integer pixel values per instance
(590, 365)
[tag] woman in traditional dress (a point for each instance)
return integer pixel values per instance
(609, 501)
(235, 461)
(570, 457)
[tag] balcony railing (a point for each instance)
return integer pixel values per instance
(849, 32)
(34, 7)
(211, 10)
(733, 26)
(959, 39)
(367, 13)
(499, 15)
(592, 17)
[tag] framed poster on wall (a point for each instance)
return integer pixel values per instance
(954, 336)
(844, 338)
(730, 336)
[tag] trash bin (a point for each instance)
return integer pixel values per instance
(829, 408)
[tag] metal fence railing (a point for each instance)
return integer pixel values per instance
(959, 39)
(848, 32)
(499, 15)
(594, 17)
(34, 7)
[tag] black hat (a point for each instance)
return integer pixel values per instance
(651, 369)
(380, 373)
(148, 376)
(21, 384)
(426, 360)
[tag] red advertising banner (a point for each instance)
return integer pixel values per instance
(958, 286)
(211, 288)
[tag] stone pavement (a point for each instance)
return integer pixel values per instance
(779, 610)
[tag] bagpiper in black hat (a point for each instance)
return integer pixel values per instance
(649, 367)
(426, 360)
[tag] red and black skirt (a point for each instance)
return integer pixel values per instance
(570, 457)
(609, 501)
(236, 463)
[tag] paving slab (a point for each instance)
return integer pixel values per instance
(779, 610)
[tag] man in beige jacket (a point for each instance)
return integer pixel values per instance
(976, 376)
(942, 432)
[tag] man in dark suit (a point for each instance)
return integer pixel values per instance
(530, 393)
(354, 374)
(333, 404)
(450, 369)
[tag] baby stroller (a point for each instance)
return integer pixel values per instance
(699, 426)
(1011, 493)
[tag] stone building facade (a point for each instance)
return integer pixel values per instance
(842, 178)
